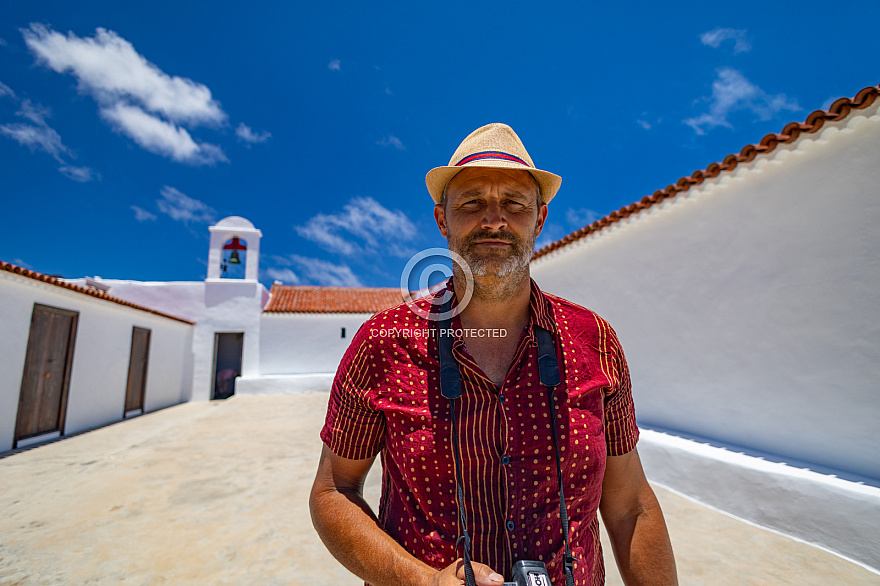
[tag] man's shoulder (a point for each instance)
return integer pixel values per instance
(570, 310)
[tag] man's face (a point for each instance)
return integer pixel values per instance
(491, 218)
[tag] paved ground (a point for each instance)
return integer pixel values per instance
(216, 493)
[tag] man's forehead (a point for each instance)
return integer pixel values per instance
(472, 176)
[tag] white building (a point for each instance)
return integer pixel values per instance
(226, 311)
(74, 357)
(243, 342)
(304, 331)
(746, 298)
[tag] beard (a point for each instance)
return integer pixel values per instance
(494, 263)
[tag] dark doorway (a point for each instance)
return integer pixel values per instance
(42, 403)
(137, 372)
(227, 363)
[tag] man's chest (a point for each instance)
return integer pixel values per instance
(493, 357)
(507, 428)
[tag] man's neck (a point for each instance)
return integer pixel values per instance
(497, 302)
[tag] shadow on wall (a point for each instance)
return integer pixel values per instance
(765, 456)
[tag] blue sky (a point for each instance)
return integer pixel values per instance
(127, 128)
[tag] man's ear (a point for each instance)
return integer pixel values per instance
(542, 217)
(440, 218)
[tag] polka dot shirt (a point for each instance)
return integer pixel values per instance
(386, 400)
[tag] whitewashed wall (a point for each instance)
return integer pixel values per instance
(748, 310)
(299, 343)
(219, 305)
(748, 307)
(101, 355)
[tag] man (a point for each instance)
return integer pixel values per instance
(490, 204)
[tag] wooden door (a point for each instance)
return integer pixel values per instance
(42, 403)
(137, 371)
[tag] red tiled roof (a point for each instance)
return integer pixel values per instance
(17, 270)
(297, 299)
(839, 110)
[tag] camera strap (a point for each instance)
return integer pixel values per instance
(450, 388)
(548, 372)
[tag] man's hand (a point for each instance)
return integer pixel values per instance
(453, 575)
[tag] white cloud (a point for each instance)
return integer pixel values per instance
(647, 122)
(36, 113)
(321, 231)
(715, 37)
(334, 65)
(320, 272)
(142, 215)
(108, 67)
(161, 137)
(392, 140)
(580, 218)
(183, 208)
(135, 96)
(5, 90)
(37, 135)
(364, 226)
(285, 275)
(81, 174)
(36, 138)
(731, 91)
(244, 132)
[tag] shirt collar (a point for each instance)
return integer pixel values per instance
(540, 310)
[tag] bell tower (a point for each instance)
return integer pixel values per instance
(227, 336)
(232, 238)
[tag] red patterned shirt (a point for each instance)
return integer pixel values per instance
(386, 400)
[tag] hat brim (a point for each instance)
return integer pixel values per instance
(438, 177)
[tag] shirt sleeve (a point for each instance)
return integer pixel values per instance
(353, 428)
(621, 431)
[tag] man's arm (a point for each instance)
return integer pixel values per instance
(635, 523)
(350, 530)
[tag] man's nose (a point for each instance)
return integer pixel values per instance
(493, 217)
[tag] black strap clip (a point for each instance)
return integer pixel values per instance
(548, 367)
(450, 375)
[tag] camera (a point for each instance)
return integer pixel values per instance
(529, 573)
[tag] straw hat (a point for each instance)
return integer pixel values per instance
(493, 145)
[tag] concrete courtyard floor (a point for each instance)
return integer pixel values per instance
(216, 493)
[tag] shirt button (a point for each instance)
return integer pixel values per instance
(501, 398)
(510, 525)
(505, 459)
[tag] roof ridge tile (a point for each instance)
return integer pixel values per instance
(331, 299)
(836, 112)
(30, 274)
